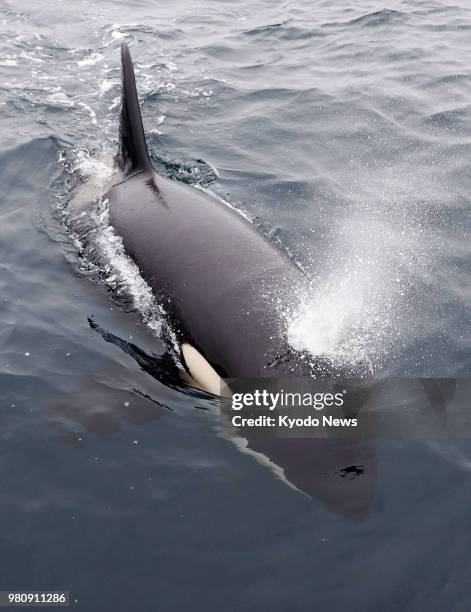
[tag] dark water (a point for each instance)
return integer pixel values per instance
(345, 132)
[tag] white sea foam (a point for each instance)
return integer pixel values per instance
(95, 170)
(119, 271)
(91, 60)
(106, 85)
(116, 34)
(90, 111)
(122, 274)
(357, 307)
(58, 96)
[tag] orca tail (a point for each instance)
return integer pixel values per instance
(132, 151)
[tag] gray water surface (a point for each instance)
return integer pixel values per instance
(344, 132)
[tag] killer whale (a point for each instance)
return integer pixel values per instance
(222, 283)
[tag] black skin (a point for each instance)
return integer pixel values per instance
(223, 285)
(220, 280)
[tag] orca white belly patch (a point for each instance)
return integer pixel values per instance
(202, 373)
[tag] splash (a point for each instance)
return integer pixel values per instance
(101, 249)
(120, 272)
(97, 170)
(340, 320)
(364, 304)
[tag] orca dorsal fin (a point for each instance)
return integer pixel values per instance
(132, 152)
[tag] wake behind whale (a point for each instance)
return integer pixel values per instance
(224, 287)
(227, 293)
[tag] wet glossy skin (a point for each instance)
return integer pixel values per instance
(225, 283)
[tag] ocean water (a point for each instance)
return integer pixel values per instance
(343, 131)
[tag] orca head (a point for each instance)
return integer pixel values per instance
(294, 362)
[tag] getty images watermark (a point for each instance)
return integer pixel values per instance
(306, 407)
(282, 400)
